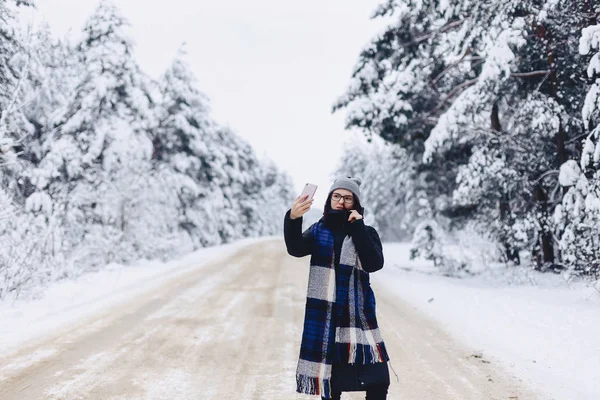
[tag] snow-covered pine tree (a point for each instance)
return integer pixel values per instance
(98, 162)
(276, 196)
(484, 114)
(14, 127)
(52, 75)
(400, 87)
(50, 81)
(355, 158)
(512, 178)
(118, 167)
(578, 216)
(389, 178)
(502, 87)
(181, 152)
(240, 177)
(385, 171)
(224, 192)
(27, 246)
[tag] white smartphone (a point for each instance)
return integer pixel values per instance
(310, 190)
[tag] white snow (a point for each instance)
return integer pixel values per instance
(590, 39)
(65, 302)
(544, 332)
(569, 173)
(537, 326)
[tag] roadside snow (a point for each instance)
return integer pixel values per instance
(545, 332)
(66, 302)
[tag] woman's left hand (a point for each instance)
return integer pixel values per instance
(354, 216)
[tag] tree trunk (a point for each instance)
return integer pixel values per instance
(511, 253)
(545, 251)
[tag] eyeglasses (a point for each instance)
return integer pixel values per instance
(347, 199)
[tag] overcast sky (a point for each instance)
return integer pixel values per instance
(271, 68)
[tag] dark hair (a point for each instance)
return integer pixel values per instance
(328, 208)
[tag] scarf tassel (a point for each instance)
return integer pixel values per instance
(364, 354)
(313, 386)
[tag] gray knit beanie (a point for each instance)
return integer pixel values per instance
(348, 183)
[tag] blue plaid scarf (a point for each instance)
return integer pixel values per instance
(339, 321)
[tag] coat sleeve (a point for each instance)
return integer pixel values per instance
(298, 243)
(368, 245)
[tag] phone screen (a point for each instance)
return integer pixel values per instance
(310, 190)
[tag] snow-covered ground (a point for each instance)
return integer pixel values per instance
(65, 302)
(542, 329)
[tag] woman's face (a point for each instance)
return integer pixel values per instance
(342, 199)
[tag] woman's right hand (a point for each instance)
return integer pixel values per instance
(301, 206)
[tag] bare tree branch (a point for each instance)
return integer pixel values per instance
(530, 74)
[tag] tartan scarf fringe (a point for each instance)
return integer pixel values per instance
(364, 353)
(313, 386)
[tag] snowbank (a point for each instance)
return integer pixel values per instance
(68, 301)
(545, 332)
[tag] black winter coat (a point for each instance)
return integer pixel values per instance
(345, 377)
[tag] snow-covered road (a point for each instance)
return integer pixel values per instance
(230, 329)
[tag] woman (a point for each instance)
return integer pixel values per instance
(342, 349)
